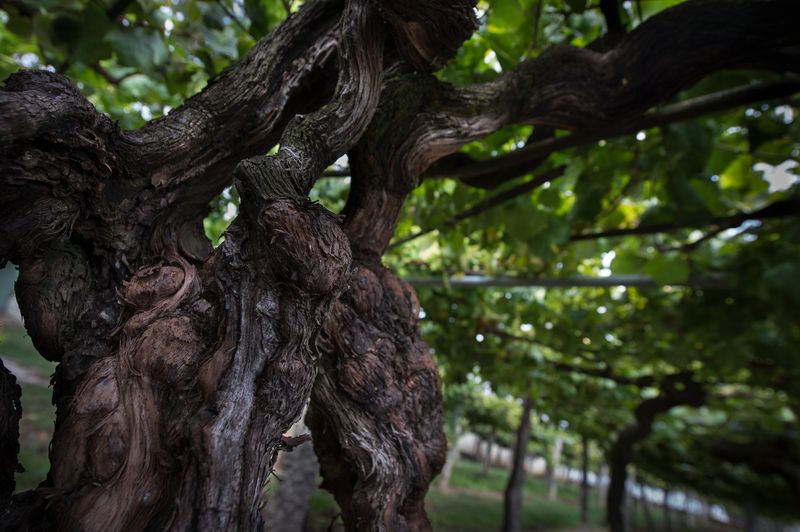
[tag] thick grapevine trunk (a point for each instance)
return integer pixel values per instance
(376, 411)
(180, 427)
(173, 417)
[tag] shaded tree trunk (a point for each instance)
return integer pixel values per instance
(487, 455)
(512, 507)
(601, 485)
(677, 389)
(375, 408)
(553, 465)
(667, 512)
(750, 515)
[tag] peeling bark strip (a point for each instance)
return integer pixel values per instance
(287, 510)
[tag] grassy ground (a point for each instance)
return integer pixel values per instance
(474, 503)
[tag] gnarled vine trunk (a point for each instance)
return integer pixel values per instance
(179, 367)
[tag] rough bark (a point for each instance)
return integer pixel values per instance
(497, 170)
(376, 406)
(178, 425)
(429, 33)
(376, 409)
(86, 205)
(167, 147)
(675, 390)
(512, 503)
